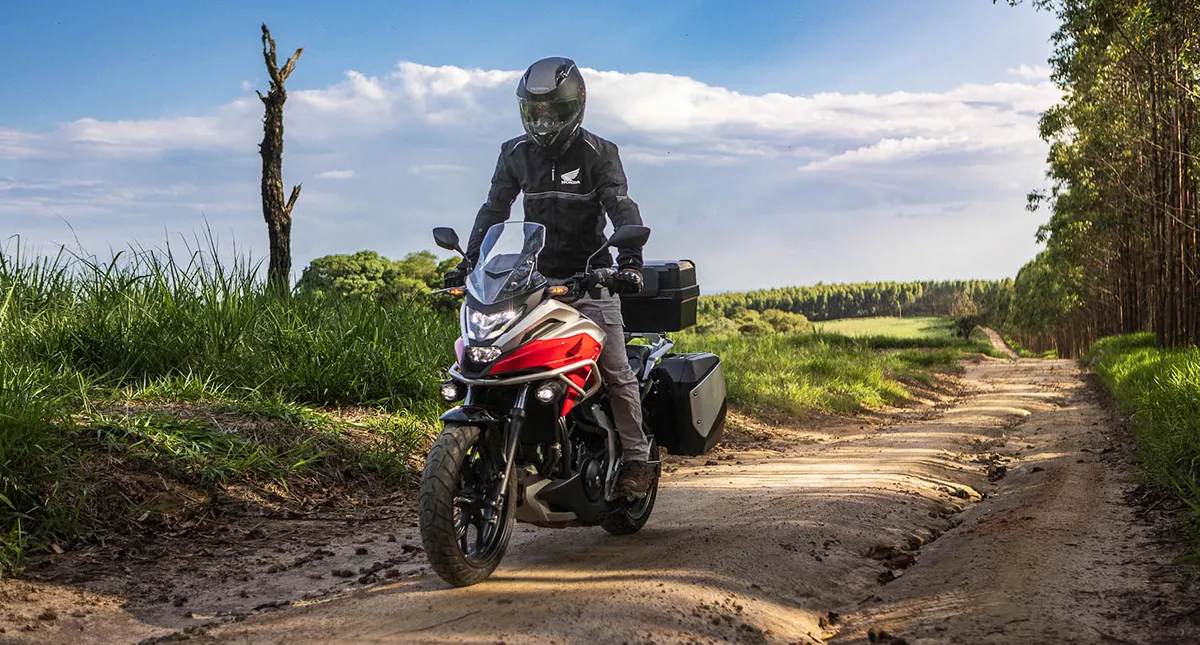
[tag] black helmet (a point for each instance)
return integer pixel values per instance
(552, 100)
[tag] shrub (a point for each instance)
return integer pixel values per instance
(786, 322)
(717, 326)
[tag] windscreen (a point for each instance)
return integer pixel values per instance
(507, 259)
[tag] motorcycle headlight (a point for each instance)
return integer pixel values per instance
(481, 326)
(483, 354)
(452, 391)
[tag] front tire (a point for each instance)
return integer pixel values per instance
(459, 480)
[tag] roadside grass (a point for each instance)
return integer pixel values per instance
(193, 451)
(801, 373)
(147, 356)
(935, 342)
(1160, 388)
(209, 444)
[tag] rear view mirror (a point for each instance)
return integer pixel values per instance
(626, 237)
(629, 237)
(446, 238)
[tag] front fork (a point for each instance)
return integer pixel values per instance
(516, 418)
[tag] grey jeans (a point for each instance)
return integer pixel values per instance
(618, 377)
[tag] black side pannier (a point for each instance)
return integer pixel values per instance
(687, 409)
(667, 301)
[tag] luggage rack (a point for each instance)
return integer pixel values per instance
(659, 346)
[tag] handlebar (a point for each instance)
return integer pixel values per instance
(589, 282)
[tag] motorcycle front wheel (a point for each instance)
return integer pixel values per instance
(464, 537)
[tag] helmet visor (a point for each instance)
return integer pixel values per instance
(549, 117)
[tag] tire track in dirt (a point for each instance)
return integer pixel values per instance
(805, 539)
(763, 551)
(1056, 555)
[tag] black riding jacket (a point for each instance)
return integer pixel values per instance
(569, 195)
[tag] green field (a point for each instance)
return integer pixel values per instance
(844, 366)
(916, 327)
(800, 373)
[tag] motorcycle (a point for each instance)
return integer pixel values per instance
(533, 439)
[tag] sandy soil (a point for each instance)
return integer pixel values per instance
(1001, 516)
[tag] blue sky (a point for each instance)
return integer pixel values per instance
(131, 119)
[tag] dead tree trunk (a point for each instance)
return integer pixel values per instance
(276, 211)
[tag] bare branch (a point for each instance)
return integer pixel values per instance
(290, 65)
(269, 54)
(287, 210)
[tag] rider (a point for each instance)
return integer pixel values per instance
(571, 178)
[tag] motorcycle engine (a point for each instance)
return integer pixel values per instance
(593, 465)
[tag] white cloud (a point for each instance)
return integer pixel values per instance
(885, 151)
(422, 141)
(15, 144)
(336, 174)
(1030, 72)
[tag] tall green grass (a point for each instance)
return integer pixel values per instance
(1161, 390)
(77, 334)
(799, 373)
(143, 316)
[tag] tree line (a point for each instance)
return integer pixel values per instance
(1121, 253)
(982, 298)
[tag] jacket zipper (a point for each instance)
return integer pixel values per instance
(553, 232)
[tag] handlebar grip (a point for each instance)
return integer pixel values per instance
(593, 281)
(599, 280)
(605, 276)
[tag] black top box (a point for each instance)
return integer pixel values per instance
(667, 301)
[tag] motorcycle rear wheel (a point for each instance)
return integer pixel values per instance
(459, 480)
(628, 516)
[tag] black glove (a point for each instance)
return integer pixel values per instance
(457, 276)
(627, 281)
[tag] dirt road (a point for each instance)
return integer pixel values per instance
(996, 517)
(999, 343)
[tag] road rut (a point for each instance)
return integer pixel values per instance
(995, 516)
(763, 547)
